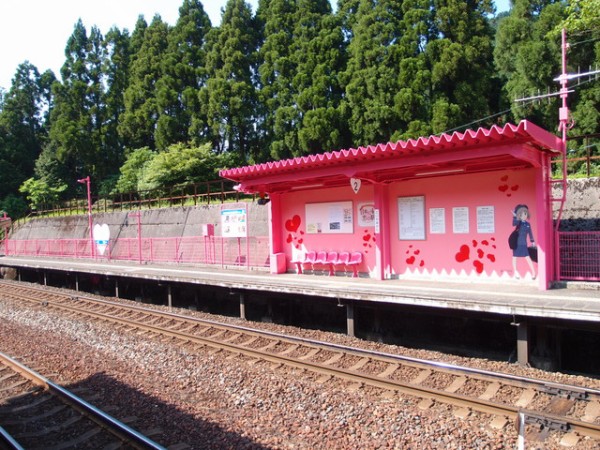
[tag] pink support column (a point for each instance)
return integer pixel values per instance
(277, 255)
(382, 243)
(544, 238)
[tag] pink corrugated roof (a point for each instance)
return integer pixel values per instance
(524, 132)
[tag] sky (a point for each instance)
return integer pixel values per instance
(37, 30)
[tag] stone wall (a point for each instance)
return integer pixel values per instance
(167, 222)
(581, 213)
(582, 206)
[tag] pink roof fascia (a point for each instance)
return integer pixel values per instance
(525, 131)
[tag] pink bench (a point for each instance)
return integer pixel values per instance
(330, 260)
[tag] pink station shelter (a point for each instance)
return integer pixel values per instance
(436, 208)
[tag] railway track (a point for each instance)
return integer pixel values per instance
(544, 407)
(37, 413)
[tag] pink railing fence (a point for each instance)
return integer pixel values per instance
(578, 251)
(579, 255)
(251, 252)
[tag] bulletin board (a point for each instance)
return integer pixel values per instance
(234, 222)
(411, 217)
(333, 217)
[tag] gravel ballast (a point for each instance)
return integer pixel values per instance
(196, 398)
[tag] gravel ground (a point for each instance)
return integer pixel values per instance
(189, 398)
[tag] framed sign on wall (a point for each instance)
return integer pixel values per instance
(411, 217)
(333, 217)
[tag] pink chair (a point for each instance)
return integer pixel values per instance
(342, 259)
(331, 260)
(320, 259)
(309, 258)
(298, 261)
(354, 262)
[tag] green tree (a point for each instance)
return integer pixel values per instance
(461, 62)
(184, 73)
(582, 16)
(77, 118)
(277, 69)
(116, 73)
(40, 194)
(138, 121)
(229, 97)
(371, 75)
(527, 58)
(132, 170)
(22, 126)
(413, 98)
(14, 205)
(582, 26)
(321, 55)
(180, 164)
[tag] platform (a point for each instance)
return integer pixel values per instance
(570, 302)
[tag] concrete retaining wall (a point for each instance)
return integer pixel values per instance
(582, 205)
(168, 222)
(581, 213)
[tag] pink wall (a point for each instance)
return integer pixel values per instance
(471, 255)
(294, 231)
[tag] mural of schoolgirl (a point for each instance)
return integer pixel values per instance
(521, 249)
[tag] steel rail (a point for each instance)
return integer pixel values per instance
(7, 441)
(524, 381)
(107, 422)
(481, 405)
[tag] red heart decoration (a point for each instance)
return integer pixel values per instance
(504, 178)
(503, 188)
(478, 266)
(485, 242)
(367, 237)
(410, 260)
(474, 243)
(491, 257)
(463, 254)
(479, 253)
(300, 241)
(514, 188)
(417, 252)
(293, 223)
(422, 263)
(289, 238)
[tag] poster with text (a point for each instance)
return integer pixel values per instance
(234, 222)
(411, 212)
(333, 217)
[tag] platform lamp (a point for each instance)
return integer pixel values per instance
(87, 182)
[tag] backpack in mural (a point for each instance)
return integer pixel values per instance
(513, 238)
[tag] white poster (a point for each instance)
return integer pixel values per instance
(334, 217)
(234, 223)
(460, 220)
(485, 219)
(437, 220)
(366, 214)
(411, 212)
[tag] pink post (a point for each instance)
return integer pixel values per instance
(87, 181)
(6, 221)
(138, 216)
